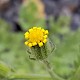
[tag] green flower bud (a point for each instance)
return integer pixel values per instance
(40, 53)
(38, 44)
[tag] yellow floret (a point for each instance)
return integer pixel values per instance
(36, 36)
(26, 43)
(45, 36)
(26, 35)
(30, 30)
(43, 30)
(34, 43)
(39, 28)
(45, 40)
(40, 44)
(30, 44)
(34, 27)
(46, 31)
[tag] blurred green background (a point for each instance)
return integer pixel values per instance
(65, 59)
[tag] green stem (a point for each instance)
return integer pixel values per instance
(52, 74)
(28, 76)
(76, 75)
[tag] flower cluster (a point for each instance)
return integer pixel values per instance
(36, 36)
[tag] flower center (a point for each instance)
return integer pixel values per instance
(36, 36)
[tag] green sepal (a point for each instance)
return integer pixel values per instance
(49, 46)
(40, 53)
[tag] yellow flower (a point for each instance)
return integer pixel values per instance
(36, 36)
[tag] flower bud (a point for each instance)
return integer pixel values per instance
(38, 44)
(40, 53)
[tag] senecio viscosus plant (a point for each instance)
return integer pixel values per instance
(39, 47)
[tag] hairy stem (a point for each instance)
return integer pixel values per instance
(28, 76)
(52, 74)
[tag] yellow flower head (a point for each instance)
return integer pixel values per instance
(36, 36)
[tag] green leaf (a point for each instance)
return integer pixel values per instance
(4, 70)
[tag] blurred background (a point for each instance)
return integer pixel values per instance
(60, 17)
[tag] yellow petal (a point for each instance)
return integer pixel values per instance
(46, 32)
(45, 40)
(27, 33)
(26, 43)
(34, 43)
(26, 36)
(40, 44)
(43, 30)
(34, 27)
(45, 36)
(30, 30)
(39, 28)
(30, 44)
